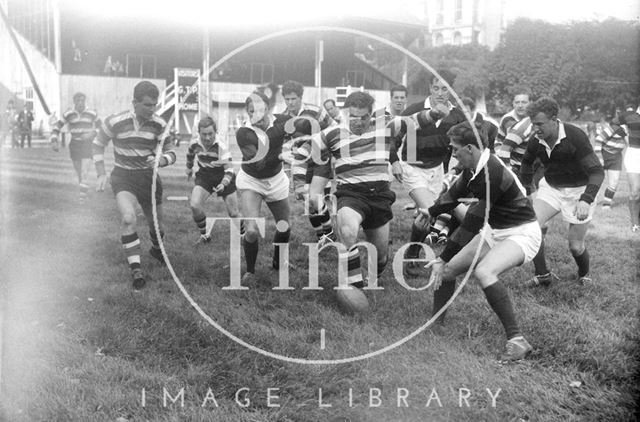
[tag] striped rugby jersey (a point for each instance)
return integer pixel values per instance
(79, 123)
(134, 143)
(506, 122)
(216, 158)
(632, 120)
(610, 138)
(507, 201)
(515, 143)
(357, 158)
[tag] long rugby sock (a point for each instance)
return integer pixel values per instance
(441, 297)
(250, 254)
(608, 196)
(634, 210)
(200, 219)
(417, 235)
(583, 263)
(154, 239)
(539, 261)
(131, 245)
(279, 237)
(498, 298)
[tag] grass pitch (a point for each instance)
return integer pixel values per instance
(79, 345)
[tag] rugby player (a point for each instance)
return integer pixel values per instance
(83, 124)
(136, 135)
(572, 178)
(631, 119)
(611, 142)
(510, 238)
(261, 178)
(423, 179)
(313, 180)
(215, 175)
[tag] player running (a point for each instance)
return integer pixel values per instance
(83, 124)
(215, 175)
(572, 178)
(136, 135)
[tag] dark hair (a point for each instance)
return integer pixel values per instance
(329, 100)
(294, 87)
(360, 99)
(258, 94)
(471, 105)
(521, 90)
(546, 105)
(462, 134)
(448, 77)
(145, 88)
(78, 95)
(396, 88)
(205, 122)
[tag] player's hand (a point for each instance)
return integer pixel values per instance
(218, 189)
(582, 210)
(396, 170)
(300, 191)
(437, 268)
(102, 183)
(439, 111)
(189, 173)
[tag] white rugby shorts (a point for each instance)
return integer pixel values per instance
(272, 189)
(564, 200)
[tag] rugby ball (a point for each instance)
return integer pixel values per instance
(352, 301)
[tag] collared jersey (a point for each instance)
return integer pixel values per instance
(266, 144)
(357, 158)
(570, 163)
(507, 202)
(79, 123)
(134, 143)
(516, 139)
(216, 158)
(431, 142)
(632, 120)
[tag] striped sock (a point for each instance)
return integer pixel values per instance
(354, 273)
(201, 221)
(131, 245)
(608, 196)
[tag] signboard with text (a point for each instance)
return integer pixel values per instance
(187, 86)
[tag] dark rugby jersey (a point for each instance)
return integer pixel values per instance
(432, 144)
(508, 203)
(216, 159)
(302, 123)
(571, 163)
(134, 143)
(251, 140)
(79, 123)
(632, 120)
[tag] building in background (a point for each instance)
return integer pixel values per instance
(459, 22)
